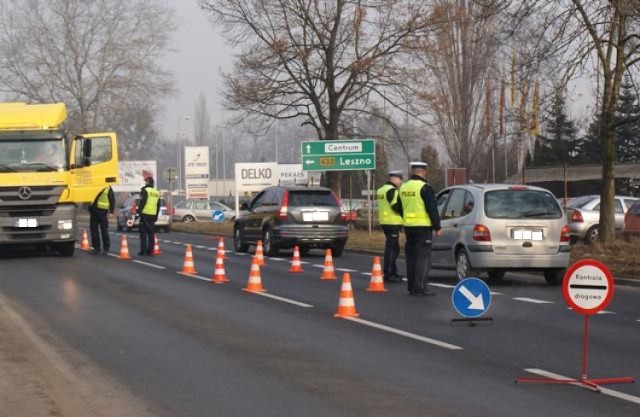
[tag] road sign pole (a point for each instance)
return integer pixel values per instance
(587, 288)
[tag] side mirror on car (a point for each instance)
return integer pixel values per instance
(244, 206)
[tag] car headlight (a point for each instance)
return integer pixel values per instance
(65, 224)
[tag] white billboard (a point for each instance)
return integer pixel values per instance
(254, 176)
(291, 174)
(196, 172)
(133, 173)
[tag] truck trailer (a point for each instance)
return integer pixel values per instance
(46, 173)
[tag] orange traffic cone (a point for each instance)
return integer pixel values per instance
(259, 255)
(328, 273)
(255, 282)
(219, 276)
(296, 266)
(377, 283)
(156, 246)
(124, 248)
(346, 305)
(221, 248)
(84, 245)
(188, 267)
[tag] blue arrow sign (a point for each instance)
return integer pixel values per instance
(471, 297)
(217, 216)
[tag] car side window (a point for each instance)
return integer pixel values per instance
(455, 205)
(442, 199)
(629, 202)
(270, 198)
(257, 201)
(469, 203)
(618, 206)
(635, 209)
(200, 205)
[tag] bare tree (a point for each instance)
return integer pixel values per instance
(598, 35)
(100, 57)
(202, 122)
(316, 59)
(452, 70)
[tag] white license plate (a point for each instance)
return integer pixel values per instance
(27, 223)
(316, 216)
(526, 234)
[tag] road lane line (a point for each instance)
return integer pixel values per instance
(346, 270)
(605, 391)
(442, 285)
(532, 300)
(366, 273)
(405, 334)
(149, 264)
(285, 300)
(277, 259)
(212, 249)
(194, 276)
(605, 312)
(200, 247)
(317, 266)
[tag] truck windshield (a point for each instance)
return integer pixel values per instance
(32, 155)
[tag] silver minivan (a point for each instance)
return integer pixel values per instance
(496, 228)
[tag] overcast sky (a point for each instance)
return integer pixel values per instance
(200, 54)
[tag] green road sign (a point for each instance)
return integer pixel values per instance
(338, 155)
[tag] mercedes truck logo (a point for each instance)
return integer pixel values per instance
(24, 193)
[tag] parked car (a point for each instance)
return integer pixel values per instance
(632, 221)
(498, 228)
(285, 216)
(200, 211)
(583, 215)
(127, 217)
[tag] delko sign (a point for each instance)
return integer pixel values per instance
(338, 155)
(255, 176)
(588, 286)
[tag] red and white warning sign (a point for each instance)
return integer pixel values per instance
(587, 286)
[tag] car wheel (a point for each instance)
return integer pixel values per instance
(554, 276)
(269, 244)
(463, 265)
(239, 245)
(337, 249)
(188, 219)
(592, 234)
(496, 274)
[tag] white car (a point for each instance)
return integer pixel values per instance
(200, 211)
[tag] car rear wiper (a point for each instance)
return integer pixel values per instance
(539, 214)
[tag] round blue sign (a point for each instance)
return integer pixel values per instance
(471, 297)
(217, 216)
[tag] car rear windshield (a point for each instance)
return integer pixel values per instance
(312, 198)
(521, 204)
(580, 201)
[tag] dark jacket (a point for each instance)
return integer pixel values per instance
(429, 198)
(112, 202)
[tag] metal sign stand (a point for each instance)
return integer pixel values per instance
(472, 321)
(471, 298)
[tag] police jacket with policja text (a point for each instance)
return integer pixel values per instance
(429, 197)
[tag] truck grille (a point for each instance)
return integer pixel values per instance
(28, 201)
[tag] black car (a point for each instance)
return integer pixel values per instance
(282, 217)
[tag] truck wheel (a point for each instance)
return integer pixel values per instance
(65, 248)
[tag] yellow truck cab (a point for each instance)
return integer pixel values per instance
(45, 173)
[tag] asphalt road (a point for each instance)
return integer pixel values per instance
(186, 347)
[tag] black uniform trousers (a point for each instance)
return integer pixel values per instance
(391, 249)
(147, 228)
(99, 225)
(418, 257)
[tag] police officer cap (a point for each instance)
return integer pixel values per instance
(395, 174)
(418, 164)
(149, 180)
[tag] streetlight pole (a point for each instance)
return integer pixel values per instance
(179, 150)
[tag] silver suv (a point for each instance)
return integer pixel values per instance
(583, 215)
(501, 227)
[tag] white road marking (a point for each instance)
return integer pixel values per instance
(405, 334)
(605, 312)
(285, 300)
(213, 249)
(442, 285)
(532, 300)
(346, 270)
(366, 273)
(605, 391)
(317, 266)
(277, 259)
(200, 247)
(149, 264)
(176, 243)
(241, 253)
(195, 276)
(304, 262)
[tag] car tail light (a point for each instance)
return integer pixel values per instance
(285, 206)
(576, 216)
(344, 217)
(565, 236)
(134, 207)
(481, 233)
(169, 209)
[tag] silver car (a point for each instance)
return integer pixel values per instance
(583, 215)
(501, 227)
(200, 210)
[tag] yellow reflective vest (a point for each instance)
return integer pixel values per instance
(151, 206)
(414, 212)
(103, 199)
(386, 215)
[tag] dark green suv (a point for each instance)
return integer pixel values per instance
(282, 217)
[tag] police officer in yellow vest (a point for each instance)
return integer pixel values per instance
(417, 203)
(103, 205)
(391, 223)
(148, 210)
